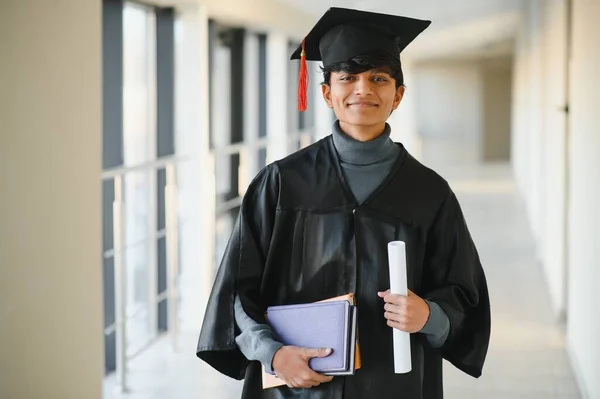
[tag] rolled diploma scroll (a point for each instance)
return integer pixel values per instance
(398, 285)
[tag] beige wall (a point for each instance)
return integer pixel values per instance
(50, 231)
(495, 139)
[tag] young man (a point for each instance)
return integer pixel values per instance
(316, 225)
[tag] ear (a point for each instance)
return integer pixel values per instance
(398, 97)
(326, 89)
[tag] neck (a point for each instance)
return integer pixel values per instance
(356, 152)
(363, 133)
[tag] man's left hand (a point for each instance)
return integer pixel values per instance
(405, 313)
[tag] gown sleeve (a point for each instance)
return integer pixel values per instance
(240, 272)
(455, 280)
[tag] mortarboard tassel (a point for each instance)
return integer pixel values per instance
(302, 81)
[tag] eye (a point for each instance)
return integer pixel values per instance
(380, 79)
(346, 77)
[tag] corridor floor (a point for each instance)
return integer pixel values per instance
(527, 356)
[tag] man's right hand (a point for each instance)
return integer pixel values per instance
(290, 363)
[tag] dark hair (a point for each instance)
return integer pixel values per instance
(366, 62)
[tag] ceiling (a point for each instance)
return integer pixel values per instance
(458, 27)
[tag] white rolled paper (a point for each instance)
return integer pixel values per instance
(399, 285)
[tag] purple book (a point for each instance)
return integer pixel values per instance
(316, 325)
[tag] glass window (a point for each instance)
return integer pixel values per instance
(293, 70)
(223, 227)
(262, 85)
(139, 146)
(226, 110)
(220, 105)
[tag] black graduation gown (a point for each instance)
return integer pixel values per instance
(302, 237)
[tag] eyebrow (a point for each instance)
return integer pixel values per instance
(380, 70)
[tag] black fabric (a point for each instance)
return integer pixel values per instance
(300, 237)
(342, 34)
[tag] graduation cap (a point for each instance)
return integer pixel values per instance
(341, 34)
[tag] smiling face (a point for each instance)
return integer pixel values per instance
(363, 99)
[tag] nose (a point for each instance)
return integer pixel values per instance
(363, 86)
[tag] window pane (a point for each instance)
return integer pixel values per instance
(221, 115)
(139, 146)
(138, 258)
(262, 158)
(139, 87)
(139, 330)
(262, 85)
(223, 228)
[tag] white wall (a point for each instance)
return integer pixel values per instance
(51, 326)
(583, 328)
(461, 104)
(449, 110)
(520, 110)
(529, 135)
(539, 135)
(404, 120)
(554, 159)
(557, 165)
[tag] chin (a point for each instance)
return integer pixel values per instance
(363, 121)
(363, 117)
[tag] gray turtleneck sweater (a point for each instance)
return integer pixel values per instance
(365, 165)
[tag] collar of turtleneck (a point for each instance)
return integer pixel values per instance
(362, 153)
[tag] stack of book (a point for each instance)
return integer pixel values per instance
(327, 324)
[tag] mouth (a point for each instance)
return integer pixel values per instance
(363, 104)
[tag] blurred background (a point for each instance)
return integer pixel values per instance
(129, 131)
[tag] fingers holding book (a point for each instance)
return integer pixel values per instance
(290, 364)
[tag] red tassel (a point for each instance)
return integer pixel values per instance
(302, 81)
